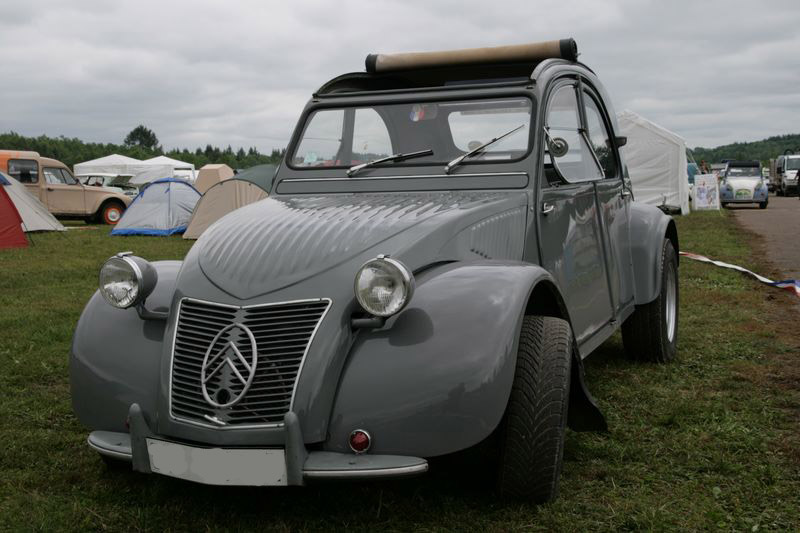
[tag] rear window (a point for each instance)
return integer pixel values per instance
(24, 170)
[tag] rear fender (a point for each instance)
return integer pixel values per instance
(437, 377)
(116, 356)
(649, 227)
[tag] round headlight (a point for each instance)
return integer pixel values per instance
(121, 281)
(384, 286)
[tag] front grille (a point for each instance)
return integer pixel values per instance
(282, 334)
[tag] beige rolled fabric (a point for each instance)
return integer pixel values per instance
(519, 53)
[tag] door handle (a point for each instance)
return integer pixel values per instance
(625, 193)
(547, 208)
(50, 189)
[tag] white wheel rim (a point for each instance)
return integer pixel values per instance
(671, 302)
(113, 215)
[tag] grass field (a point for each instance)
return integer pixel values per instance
(709, 442)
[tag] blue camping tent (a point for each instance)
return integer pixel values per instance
(163, 208)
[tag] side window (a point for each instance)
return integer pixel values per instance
(53, 176)
(566, 143)
(599, 137)
(370, 137)
(69, 179)
(321, 140)
(24, 170)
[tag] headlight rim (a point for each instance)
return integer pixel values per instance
(409, 284)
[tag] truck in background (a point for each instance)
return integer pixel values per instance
(783, 173)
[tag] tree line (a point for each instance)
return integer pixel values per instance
(140, 143)
(762, 150)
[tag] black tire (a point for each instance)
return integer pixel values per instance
(762, 205)
(724, 205)
(646, 333)
(531, 436)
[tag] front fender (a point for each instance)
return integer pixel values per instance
(115, 356)
(649, 227)
(436, 379)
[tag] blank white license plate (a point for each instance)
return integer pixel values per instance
(217, 466)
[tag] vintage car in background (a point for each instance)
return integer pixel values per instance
(52, 182)
(115, 182)
(741, 182)
(449, 236)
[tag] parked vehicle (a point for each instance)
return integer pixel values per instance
(742, 183)
(53, 184)
(441, 249)
(783, 173)
(115, 182)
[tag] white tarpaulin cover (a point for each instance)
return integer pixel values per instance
(219, 200)
(142, 171)
(656, 160)
(35, 216)
(163, 208)
(181, 169)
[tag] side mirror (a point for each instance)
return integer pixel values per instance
(620, 141)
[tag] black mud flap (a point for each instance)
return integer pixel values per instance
(583, 414)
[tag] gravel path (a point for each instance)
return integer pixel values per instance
(779, 225)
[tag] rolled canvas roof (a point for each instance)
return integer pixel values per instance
(35, 216)
(656, 160)
(219, 200)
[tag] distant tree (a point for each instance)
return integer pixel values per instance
(142, 137)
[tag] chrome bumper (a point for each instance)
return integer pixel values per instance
(301, 465)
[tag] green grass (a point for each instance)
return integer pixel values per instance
(709, 442)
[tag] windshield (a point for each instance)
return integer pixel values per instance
(352, 136)
(744, 171)
(793, 164)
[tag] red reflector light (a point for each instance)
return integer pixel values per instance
(359, 441)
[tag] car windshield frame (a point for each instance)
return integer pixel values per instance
(743, 172)
(439, 159)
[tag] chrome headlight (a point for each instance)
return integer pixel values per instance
(384, 286)
(126, 280)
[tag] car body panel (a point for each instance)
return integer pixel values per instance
(435, 378)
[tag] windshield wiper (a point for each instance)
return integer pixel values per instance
(395, 157)
(457, 161)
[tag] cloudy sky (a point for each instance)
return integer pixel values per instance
(238, 72)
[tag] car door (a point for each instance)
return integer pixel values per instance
(613, 199)
(570, 232)
(26, 171)
(63, 192)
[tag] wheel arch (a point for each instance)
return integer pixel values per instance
(648, 228)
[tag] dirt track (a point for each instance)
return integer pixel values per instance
(779, 226)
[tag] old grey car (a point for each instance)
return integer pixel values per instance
(448, 237)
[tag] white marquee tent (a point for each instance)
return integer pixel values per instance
(182, 169)
(142, 171)
(656, 160)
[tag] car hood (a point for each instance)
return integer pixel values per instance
(281, 241)
(748, 183)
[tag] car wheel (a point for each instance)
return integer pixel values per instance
(532, 432)
(762, 205)
(724, 204)
(111, 212)
(651, 332)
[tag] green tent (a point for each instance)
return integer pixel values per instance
(261, 175)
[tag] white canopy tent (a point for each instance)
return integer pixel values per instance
(142, 171)
(656, 160)
(182, 169)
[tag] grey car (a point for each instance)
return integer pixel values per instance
(448, 237)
